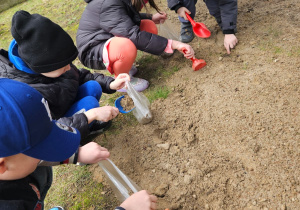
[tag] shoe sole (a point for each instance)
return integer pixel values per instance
(138, 90)
(101, 130)
(186, 41)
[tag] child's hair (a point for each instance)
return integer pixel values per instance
(138, 4)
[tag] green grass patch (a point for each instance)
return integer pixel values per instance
(65, 13)
(74, 188)
(170, 71)
(145, 60)
(277, 50)
(158, 92)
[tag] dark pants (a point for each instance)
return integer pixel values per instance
(212, 5)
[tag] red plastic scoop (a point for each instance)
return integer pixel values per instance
(197, 63)
(199, 28)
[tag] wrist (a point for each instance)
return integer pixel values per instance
(174, 45)
(168, 48)
(177, 7)
(111, 84)
(90, 115)
(230, 31)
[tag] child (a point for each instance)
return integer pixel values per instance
(27, 136)
(111, 31)
(225, 12)
(41, 55)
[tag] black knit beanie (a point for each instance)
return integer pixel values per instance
(43, 45)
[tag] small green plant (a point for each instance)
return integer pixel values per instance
(158, 92)
(277, 50)
(175, 68)
(245, 65)
(169, 72)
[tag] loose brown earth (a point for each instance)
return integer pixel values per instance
(227, 136)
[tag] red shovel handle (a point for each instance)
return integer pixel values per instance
(190, 19)
(197, 63)
(184, 51)
(199, 29)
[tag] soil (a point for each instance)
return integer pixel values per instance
(227, 136)
(127, 103)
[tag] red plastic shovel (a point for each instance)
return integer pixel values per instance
(199, 28)
(197, 63)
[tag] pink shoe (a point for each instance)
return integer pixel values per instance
(132, 71)
(137, 83)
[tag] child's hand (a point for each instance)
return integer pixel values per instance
(230, 41)
(119, 81)
(92, 153)
(159, 18)
(104, 113)
(186, 49)
(141, 200)
(181, 12)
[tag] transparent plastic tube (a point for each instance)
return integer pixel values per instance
(167, 30)
(141, 103)
(122, 185)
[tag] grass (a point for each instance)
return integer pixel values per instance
(170, 72)
(65, 13)
(73, 186)
(85, 193)
(158, 92)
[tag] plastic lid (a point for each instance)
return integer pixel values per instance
(119, 106)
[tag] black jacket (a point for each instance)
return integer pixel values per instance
(60, 92)
(104, 19)
(27, 193)
(225, 12)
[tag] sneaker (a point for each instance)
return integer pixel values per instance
(132, 71)
(186, 33)
(99, 127)
(57, 208)
(137, 83)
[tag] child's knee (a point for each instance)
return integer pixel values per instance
(94, 85)
(89, 102)
(90, 88)
(84, 104)
(128, 48)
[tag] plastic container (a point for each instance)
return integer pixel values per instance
(142, 111)
(122, 185)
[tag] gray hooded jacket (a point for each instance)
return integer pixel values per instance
(104, 19)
